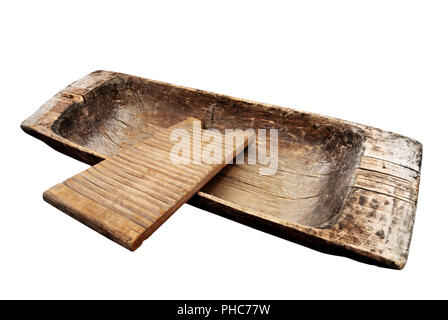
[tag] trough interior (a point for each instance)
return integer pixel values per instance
(316, 155)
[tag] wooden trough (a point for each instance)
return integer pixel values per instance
(340, 187)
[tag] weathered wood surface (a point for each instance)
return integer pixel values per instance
(129, 195)
(340, 187)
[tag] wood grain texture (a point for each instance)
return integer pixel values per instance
(341, 187)
(129, 195)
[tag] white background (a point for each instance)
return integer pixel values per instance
(380, 63)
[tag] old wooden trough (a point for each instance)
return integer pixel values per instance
(340, 187)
